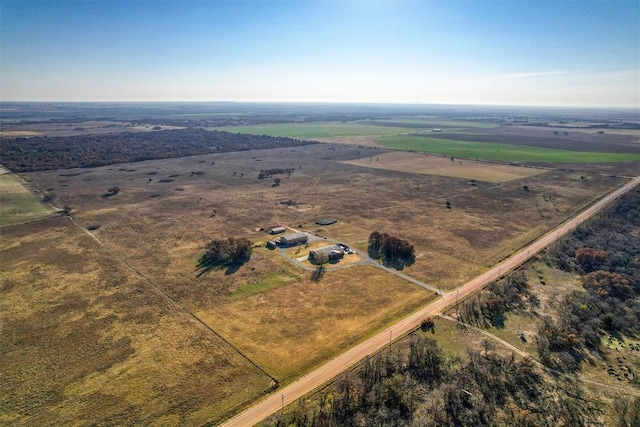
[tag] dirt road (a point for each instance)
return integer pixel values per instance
(516, 350)
(275, 402)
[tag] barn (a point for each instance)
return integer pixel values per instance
(327, 253)
(293, 239)
(277, 230)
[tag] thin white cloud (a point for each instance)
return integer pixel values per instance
(533, 75)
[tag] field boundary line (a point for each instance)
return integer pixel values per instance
(174, 301)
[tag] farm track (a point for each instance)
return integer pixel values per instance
(537, 362)
(165, 295)
(315, 379)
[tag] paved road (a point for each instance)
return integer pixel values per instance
(274, 402)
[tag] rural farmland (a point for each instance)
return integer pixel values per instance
(110, 268)
(389, 213)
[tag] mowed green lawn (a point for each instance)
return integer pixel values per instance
(317, 130)
(17, 204)
(499, 152)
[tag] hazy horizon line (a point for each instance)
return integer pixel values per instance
(311, 102)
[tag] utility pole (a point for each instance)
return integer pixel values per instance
(282, 395)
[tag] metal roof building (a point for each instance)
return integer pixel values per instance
(294, 239)
(326, 221)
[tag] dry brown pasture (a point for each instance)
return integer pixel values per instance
(167, 210)
(291, 329)
(19, 133)
(86, 341)
(443, 166)
(90, 127)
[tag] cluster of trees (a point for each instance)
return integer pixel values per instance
(393, 251)
(604, 252)
(268, 173)
(609, 304)
(420, 386)
(490, 308)
(43, 153)
(230, 253)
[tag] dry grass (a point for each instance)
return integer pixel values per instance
(291, 329)
(269, 307)
(161, 227)
(90, 127)
(86, 341)
(343, 231)
(444, 166)
(18, 133)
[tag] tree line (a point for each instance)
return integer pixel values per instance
(604, 252)
(419, 386)
(51, 153)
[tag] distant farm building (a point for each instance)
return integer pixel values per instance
(271, 244)
(326, 221)
(293, 239)
(327, 253)
(277, 230)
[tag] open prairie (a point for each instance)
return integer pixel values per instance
(313, 321)
(175, 206)
(84, 127)
(86, 340)
(18, 133)
(269, 312)
(444, 166)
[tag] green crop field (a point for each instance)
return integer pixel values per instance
(499, 152)
(17, 204)
(317, 130)
(440, 123)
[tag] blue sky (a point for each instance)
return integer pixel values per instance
(495, 52)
